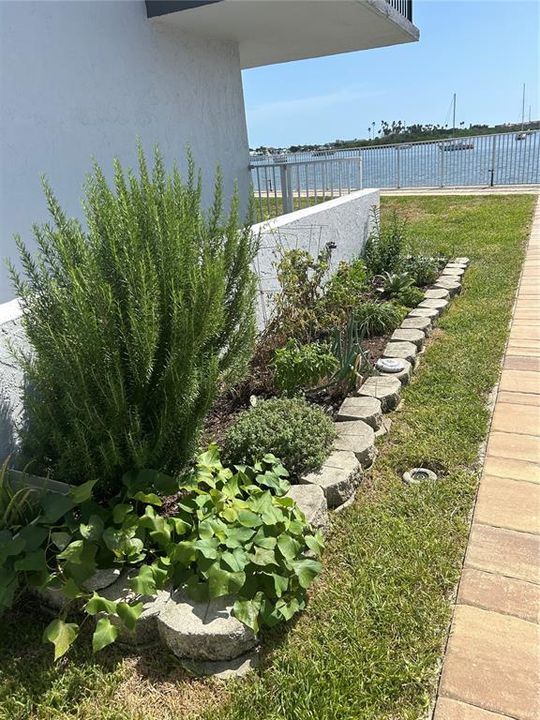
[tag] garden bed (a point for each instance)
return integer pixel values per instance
(373, 574)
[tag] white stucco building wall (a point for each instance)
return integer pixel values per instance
(82, 79)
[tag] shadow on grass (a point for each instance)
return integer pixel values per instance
(33, 685)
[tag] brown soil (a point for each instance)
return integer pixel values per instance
(374, 347)
(259, 383)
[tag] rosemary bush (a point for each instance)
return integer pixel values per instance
(134, 322)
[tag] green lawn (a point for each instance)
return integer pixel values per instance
(369, 645)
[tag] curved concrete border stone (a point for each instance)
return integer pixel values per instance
(386, 388)
(431, 313)
(357, 437)
(452, 272)
(404, 375)
(417, 323)
(437, 294)
(203, 631)
(338, 477)
(312, 502)
(448, 283)
(367, 409)
(410, 335)
(439, 305)
(402, 350)
(145, 632)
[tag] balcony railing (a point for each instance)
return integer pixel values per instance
(402, 6)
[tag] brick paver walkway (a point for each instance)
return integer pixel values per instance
(491, 669)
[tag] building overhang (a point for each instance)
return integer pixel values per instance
(275, 31)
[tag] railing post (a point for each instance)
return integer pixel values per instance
(286, 189)
(440, 146)
(398, 169)
(493, 156)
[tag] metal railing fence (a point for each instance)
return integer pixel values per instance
(511, 158)
(288, 185)
(402, 6)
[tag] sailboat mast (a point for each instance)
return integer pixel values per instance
(454, 117)
(523, 108)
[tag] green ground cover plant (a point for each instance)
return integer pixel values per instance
(423, 269)
(369, 643)
(374, 318)
(135, 323)
(232, 533)
(410, 297)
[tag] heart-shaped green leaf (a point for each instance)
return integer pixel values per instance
(129, 614)
(82, 493)
(98, 604)
(61, 635)
(104, 634)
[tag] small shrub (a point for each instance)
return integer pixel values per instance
(299, 433)
(297, 304)
(410, 297)
(343, 292)
(298, 367)
(423, 270)
(134, 322)
(392, 284)
(378, 318)
(385, 247)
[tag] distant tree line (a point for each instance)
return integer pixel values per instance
(395, 132)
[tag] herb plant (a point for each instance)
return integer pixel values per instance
(410, 297)
(385, 248)
(345, 289)
(298, 367)
(392, 284)
(297, 432)
(424, 270)
(135, 322)
(373, 318)
(297, 309)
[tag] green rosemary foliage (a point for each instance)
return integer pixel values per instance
(134, 321)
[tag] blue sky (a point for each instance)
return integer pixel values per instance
(484, 50)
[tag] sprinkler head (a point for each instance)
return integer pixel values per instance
(390, 365)
(415, 476)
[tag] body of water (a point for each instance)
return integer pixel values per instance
(504, 159)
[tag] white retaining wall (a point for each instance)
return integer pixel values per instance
(11, 377)
(345, 221)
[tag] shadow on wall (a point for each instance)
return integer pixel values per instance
(12, 384)
(8, 443)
